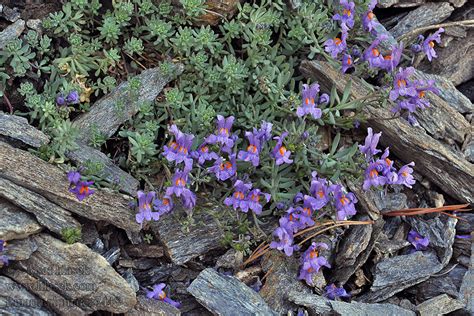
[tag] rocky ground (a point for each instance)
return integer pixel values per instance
(110, 267)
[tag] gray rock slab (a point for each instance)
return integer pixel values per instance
(30, 172)
(225, 295)
(11, 32)
(15, 223)
(426, 14)
(439, 305)
(180, 246)
(48, 214)
(282, 277)
(395, 274)
(21, 249)
(80, 275)
(110, 171)
(107, 114)
(151, 307)
(318, 305)
(16, 300)
(18, 128)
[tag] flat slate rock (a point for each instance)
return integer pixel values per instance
(16, 300)
(11, 32)
(427, 14)
(110, 171)
(48, 214)
(282, 277)
(107, 114)
(199, 238)
(16, 224)
(225, 295)
(466, 294)
(78, 274)
(21, 249)
(50, 298)
(443, 166)
(30, 172)
(17, 127)
(318, 305)
(395, 274)
(439, 305)
(152, 307)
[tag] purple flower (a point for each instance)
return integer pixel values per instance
(347, 16)
(421, 88)
(60, 100)
(72, 97)
(223, 136)
(164, 205)
(428, 44)
(3, 244)
(333, 292)
(159, 294)
(369, 20)
(319, 190)
(312, 262)
(178, 150)
(73, 177)
(180, 180)
(336, 45)
(344, 203)
(372, 54)
(416, 48)
(412, 120)
(346, 62)
(279, 152)
(252, 153)
(145, 200)
(285, 242)
(372, 177)
(224, 169)
(405, 176)
(255, 202)
(401, 85)
(324, 98)
(418, 241)
(82, 190)
(239, 199)
(202, 154)
(265, 132)
(391, 61)
(310, 93)
(370, 147)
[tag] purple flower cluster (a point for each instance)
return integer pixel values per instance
(410, 95)
(419, 242)
(244, 198)
(179, 149)
(149, 207)
(380, 171)
(70, 99)
(312, 262)
(311, 99)
(80, 188)
(300, 215)
(374, 57)
(159, 294)
(3, 256)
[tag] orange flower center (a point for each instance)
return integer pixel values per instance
(321, 194)
(375, 52)
(337, 41)
(421, 94)
(180, 182)
(173, 145)
(405, 174)
(313, 254)
(388, 161)
(344, 200)
(373, 173)
(239, 195)
(255, 197)
(349, 61)
(166, 201)
(282, 150)
(370, 15)
(183, 149)
(205, 149)
(431, 44)
(162, 295)
(401, 82)
(347, 12)
(252, 149)
(84, 189)
(388, 57)
(228, 165)
(224, 130)
(307, 211)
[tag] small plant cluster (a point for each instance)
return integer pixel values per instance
(409, 95)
